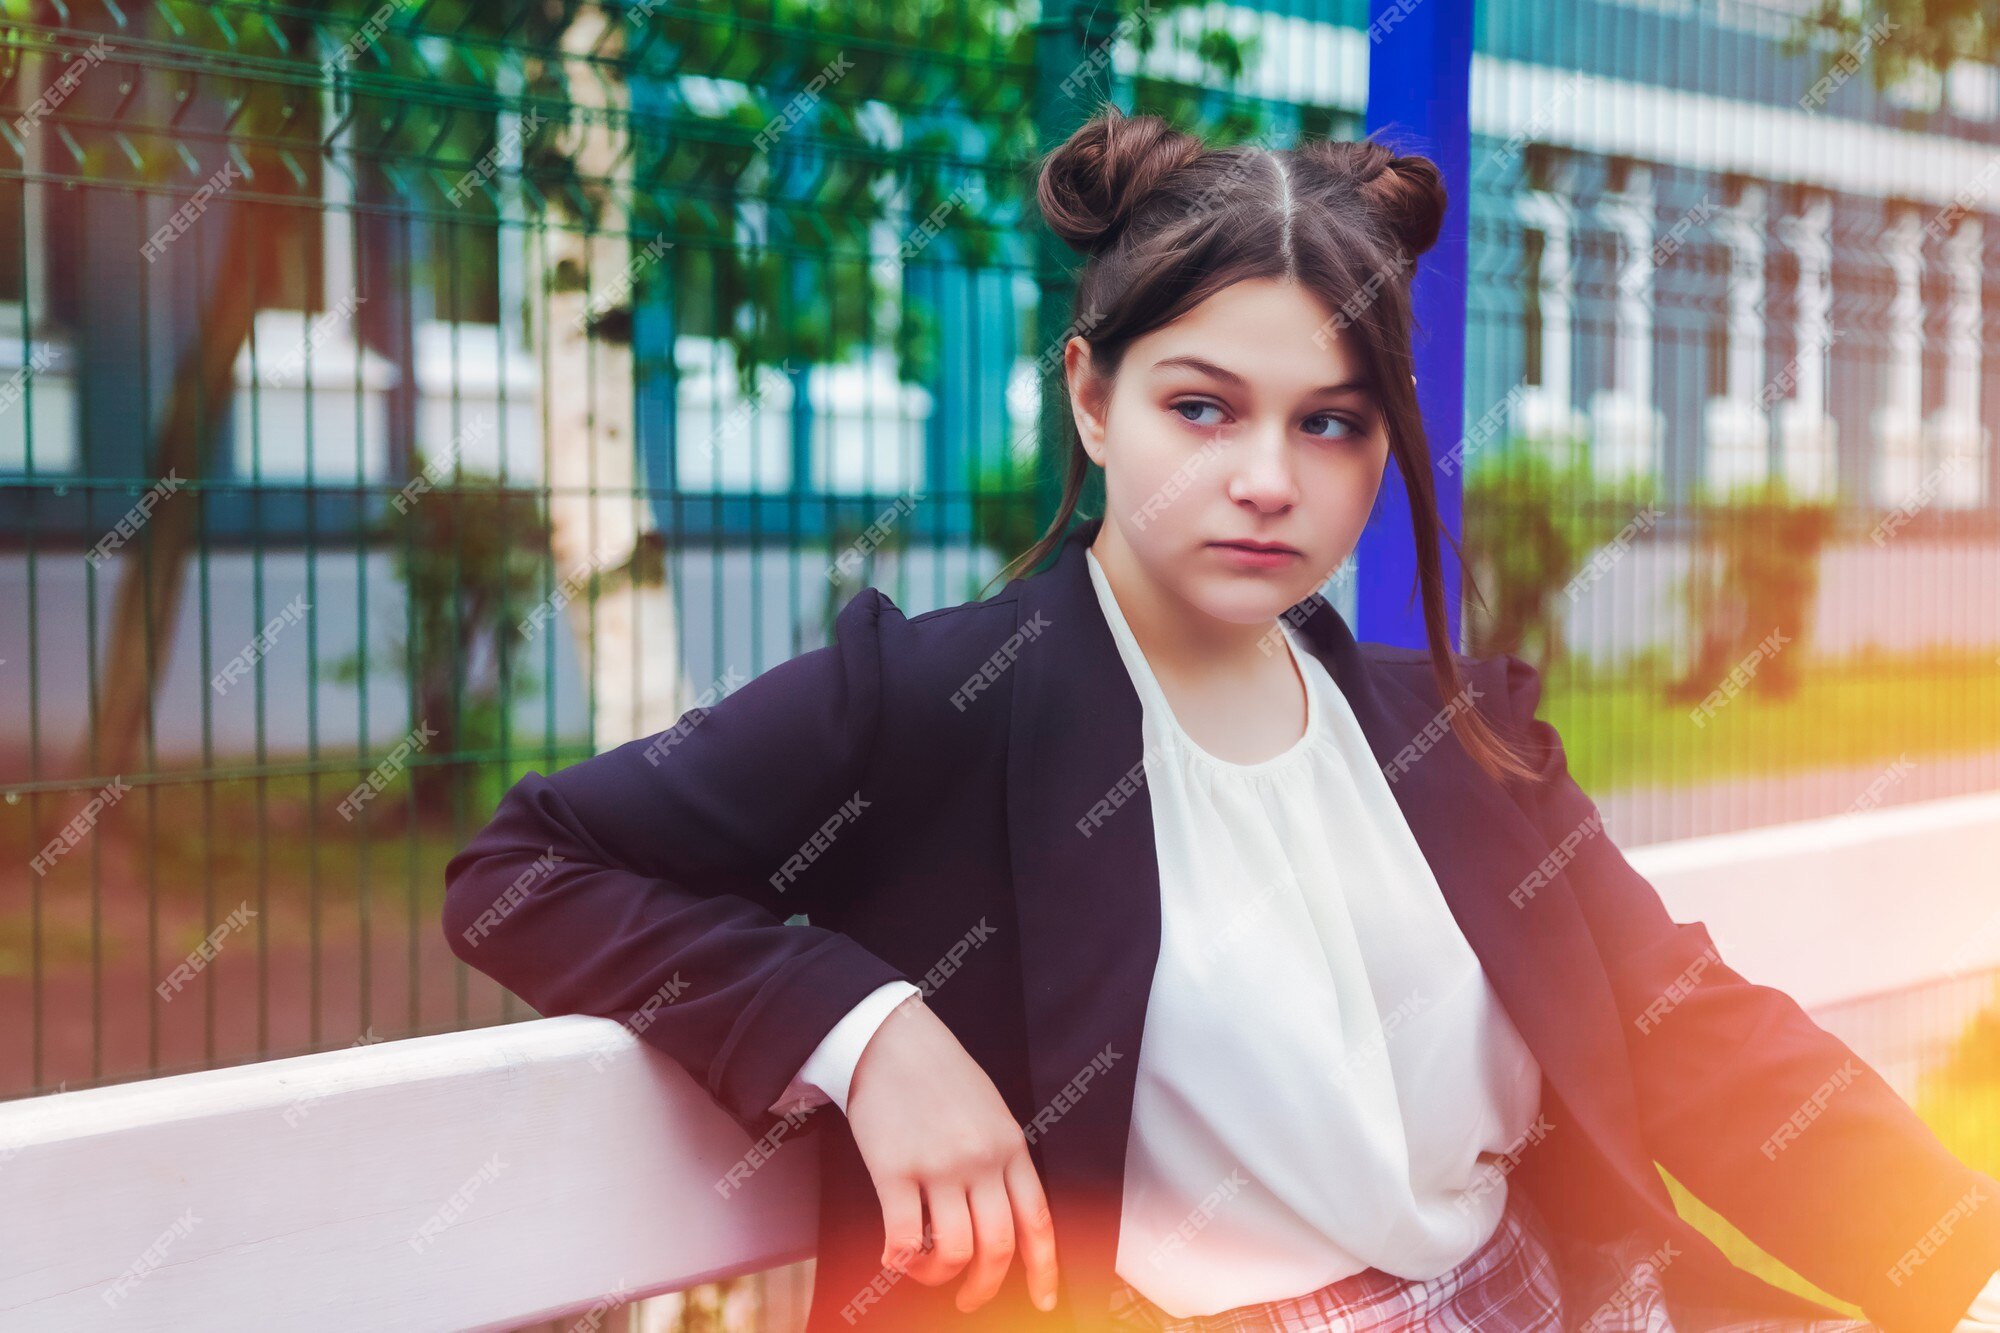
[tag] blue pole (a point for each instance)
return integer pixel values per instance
(1419, 81)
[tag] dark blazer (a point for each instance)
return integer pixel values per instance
(957, 798)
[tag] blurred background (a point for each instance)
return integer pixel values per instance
(397, 397)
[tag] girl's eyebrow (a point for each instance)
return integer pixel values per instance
(1361, 385)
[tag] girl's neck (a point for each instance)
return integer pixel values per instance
(1177, 638)
(1235, 691)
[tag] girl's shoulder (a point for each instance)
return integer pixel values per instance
(1497, 684)
(943, 633)
(935, 659)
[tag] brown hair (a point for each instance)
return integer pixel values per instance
(1166, 221)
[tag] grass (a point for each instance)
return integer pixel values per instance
(183, 831)
(1622, 732)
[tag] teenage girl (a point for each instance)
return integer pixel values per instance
(1175, 961)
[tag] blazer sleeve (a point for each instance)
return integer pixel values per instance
(1769, 1118)
(650, 884)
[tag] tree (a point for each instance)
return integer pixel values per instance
(1903, 38)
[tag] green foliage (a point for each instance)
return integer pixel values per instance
(1754, 569)
(473, 559)
(1006, 511)
(953, 182)
(1534, 513)
(1897, 39)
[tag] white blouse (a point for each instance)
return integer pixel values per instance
(1323, 1063)
(1326, 1081)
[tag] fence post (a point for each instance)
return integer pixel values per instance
(1072, 79)
(1419, 83)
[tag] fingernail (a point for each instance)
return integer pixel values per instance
(1047, 1300)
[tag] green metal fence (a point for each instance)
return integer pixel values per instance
(413, 394)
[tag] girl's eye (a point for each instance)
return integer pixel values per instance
(1348, 429)
(1198, 405)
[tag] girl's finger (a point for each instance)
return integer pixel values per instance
(902, 1223)
(951, 1233)
(992, 1239)
(1034, 1228)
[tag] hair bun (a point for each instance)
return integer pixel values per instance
(1406, 191)
(1091, 184)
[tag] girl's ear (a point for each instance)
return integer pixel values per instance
(1086, 397)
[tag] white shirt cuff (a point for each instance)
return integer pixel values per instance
(829, 1070)
(1985, 1311)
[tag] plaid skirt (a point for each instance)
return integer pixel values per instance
(1509, 1285)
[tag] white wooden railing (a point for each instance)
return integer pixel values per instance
(486, 1179)
(479, 1179)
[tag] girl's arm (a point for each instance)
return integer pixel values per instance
(1769, 1118)
(651, 883)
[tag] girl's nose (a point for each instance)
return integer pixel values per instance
(1263, 473)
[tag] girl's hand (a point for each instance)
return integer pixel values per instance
(937, 1135)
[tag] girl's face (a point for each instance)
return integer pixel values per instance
(1234, 424)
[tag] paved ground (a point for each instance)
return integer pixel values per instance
(1635, 818)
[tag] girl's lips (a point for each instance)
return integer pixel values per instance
(1251, 557)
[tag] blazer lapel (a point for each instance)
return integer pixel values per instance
(1086, 886)
(1087, 902)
